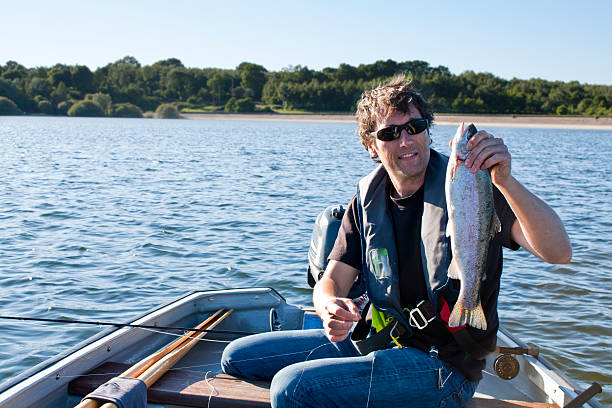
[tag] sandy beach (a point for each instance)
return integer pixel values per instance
(524, 121)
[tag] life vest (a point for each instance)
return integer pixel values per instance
(379, 252)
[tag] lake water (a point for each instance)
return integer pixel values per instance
(103, 219)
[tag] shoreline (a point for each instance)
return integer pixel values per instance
(517, 121)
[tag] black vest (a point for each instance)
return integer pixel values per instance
(379, 253)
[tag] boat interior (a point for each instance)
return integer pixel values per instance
(197, 380)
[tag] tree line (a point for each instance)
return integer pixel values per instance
(126, 88)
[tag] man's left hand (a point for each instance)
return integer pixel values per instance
(489, 152)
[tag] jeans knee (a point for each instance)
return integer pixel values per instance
(226, 359)
(289, 389)
(231, 354)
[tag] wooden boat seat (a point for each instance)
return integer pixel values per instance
(184, 387)
(189, 388)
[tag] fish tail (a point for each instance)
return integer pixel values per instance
(461, 315)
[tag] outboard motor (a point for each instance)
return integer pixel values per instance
(323, 238)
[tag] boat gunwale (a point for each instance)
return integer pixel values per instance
(48, 363)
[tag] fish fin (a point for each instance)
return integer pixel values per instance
(461, 316)
(477, 318)
(495, 224)
(452, 172)
(453, 269)
(457, 315)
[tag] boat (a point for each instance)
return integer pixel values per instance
(197, 379)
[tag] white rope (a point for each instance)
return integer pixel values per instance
(212, 388)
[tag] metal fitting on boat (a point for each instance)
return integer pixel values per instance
(506, 366)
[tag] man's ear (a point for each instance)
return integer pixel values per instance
(372, 151)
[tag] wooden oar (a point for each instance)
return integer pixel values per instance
(140, 367)
(158, 369)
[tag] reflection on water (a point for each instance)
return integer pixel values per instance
(106, 218)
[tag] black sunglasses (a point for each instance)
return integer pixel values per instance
(393, 132)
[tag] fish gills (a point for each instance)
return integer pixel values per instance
(472, 222)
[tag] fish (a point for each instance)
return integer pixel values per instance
(472, 221)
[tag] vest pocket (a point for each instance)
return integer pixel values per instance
(379, 263)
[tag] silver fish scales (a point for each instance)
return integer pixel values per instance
(471, 224)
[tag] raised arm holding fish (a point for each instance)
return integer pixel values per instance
(538, 228)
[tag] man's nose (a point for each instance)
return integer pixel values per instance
(405, 138)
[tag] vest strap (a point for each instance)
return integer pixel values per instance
(377, 341)
(420, 317)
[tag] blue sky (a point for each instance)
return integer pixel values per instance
(553, 40)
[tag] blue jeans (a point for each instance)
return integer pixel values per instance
(307, 370)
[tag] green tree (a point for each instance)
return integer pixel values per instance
(167, 111)
(82, 79)
(240, 105)
(14, 70)
(44, 106)
(126, 110)
(252, 76)
(181, 83)
(63, 107)
(86, 108)
(8, 107)
(60, 93)
(346, 72)
(104, 101)
(220, 85)
(39, 86)
(562, 110)
(9, 90)
(60, 73)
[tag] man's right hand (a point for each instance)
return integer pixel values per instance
(338, 316)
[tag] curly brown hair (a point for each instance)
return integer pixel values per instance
(396, 95)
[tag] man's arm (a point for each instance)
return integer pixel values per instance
(537, 228)
(337, 312)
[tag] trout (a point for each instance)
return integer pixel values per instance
(472, 222)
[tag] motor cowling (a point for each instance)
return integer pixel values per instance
(324, 235)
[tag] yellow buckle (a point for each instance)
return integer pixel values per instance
(393, 337)
(396, 342)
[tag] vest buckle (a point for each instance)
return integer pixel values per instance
(417, 318)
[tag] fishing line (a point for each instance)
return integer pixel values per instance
(141, 326)
(440, 382)
(371, 376)
(29, 344)
(208, 365)
(304, 368)
(186, 337)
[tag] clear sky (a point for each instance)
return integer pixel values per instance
(554, 40)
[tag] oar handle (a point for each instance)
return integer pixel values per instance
(586, 395)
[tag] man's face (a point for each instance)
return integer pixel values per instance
(405, 158)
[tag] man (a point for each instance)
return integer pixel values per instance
(406, 361)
